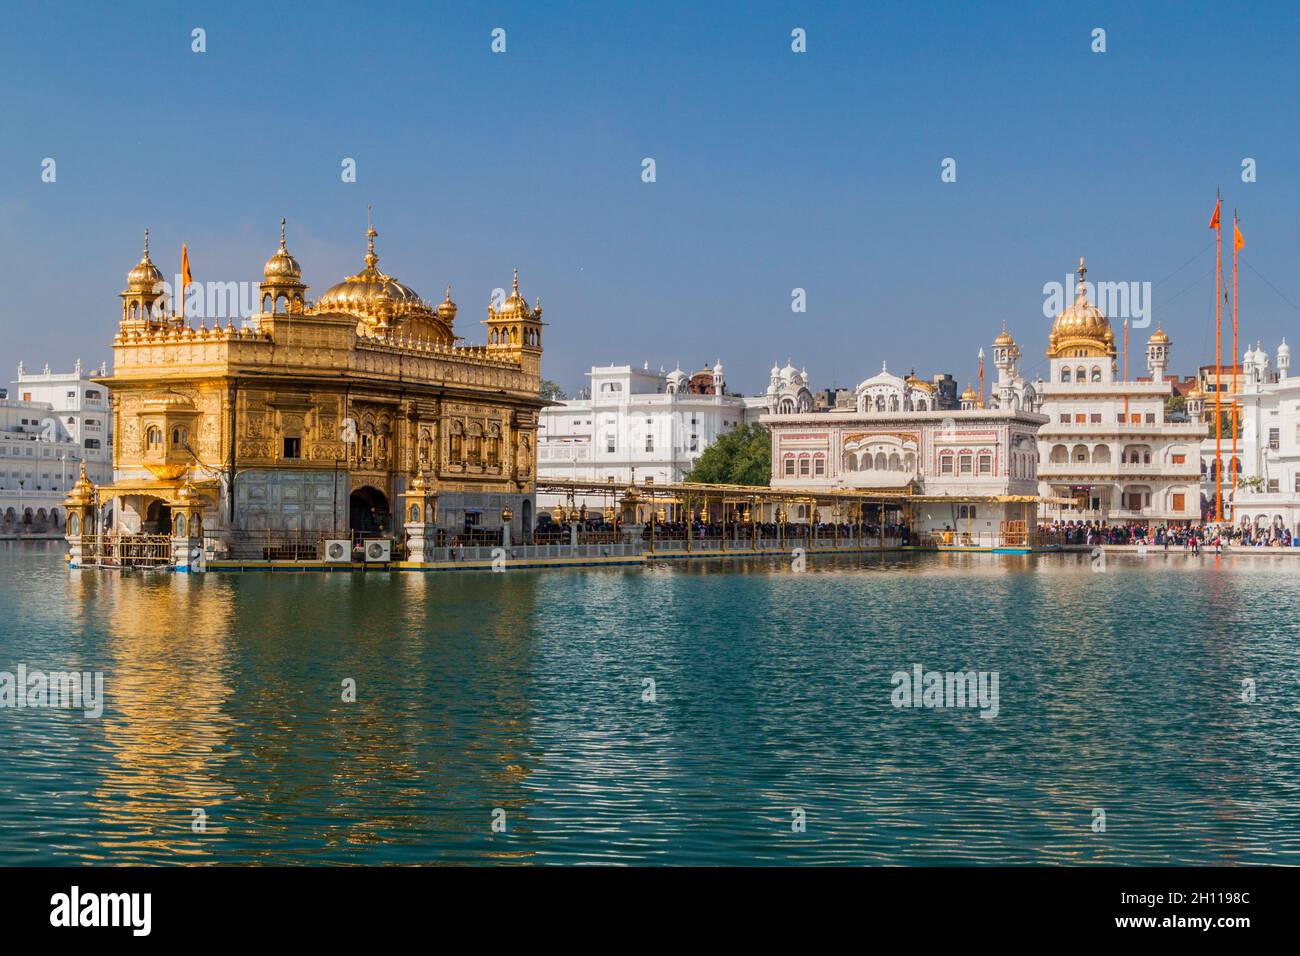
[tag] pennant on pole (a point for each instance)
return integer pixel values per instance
(186, 278)
(1238, 241)
(1214, 220)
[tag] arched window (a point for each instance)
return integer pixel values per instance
(456, 451)
(1096, 374)
(1065, 375)
(153, 437)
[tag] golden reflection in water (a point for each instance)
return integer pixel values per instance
(164, 719)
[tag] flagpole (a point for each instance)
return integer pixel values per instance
(1218, 366)
(981, 405)
(1236, 246)
(1126, 421)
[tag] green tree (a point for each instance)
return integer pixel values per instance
(550, 389)
(742, 456)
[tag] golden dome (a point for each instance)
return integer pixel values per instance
(1160, 337)
(447, 308)
(919, 383)
(516, 304)
(83, 492)
(1004, 337)
(1081, 328)
(145, 276)
(282, 265)
(969, 395)
(372, 295)
(1194, 393)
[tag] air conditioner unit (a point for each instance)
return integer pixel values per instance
(379, 550)
(338, 550)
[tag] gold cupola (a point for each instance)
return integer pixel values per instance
(282, 287)
(1081, 329)
(447, 308)
(143, 301)
(515, 330)
(380, 303)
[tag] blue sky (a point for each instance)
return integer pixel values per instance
(775, 170)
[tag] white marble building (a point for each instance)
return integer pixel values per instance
(49, 425)
(1107, 443)
(898, 440)
(978, 453)
(646, 426)
(1269, 449)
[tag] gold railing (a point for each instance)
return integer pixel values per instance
(128, 551)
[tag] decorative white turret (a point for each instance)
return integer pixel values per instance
(1158, 349)
(1283, 360)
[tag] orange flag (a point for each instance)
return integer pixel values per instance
(1238, 241)
(1214, 220)
(186, 278)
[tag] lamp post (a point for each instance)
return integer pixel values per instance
(506, 516)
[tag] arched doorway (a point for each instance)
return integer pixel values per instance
(368, 511)
(526, 518)
(157, 518)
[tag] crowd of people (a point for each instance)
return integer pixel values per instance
(1187, 537)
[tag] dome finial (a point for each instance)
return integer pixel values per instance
(1080, 291)
(146, 243)
(371, 258)
(282, 248)
(516, 281)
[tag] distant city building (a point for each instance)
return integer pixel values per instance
(886, 392)
(646, 426)
(56, 421)
(788, 391)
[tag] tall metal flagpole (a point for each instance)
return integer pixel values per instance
(1218, 362)
(1237, 243)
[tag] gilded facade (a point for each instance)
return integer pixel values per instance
(313, 416)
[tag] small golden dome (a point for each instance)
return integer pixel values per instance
(1194, 393)
(1004, 337)
(83, 492)
(447, 308)
(145, 277)
(1159, 337)
(969, 395)
(282, 265)
(516, 304)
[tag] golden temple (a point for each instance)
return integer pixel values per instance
(314, 416)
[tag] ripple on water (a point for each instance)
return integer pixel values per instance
(528, 693)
